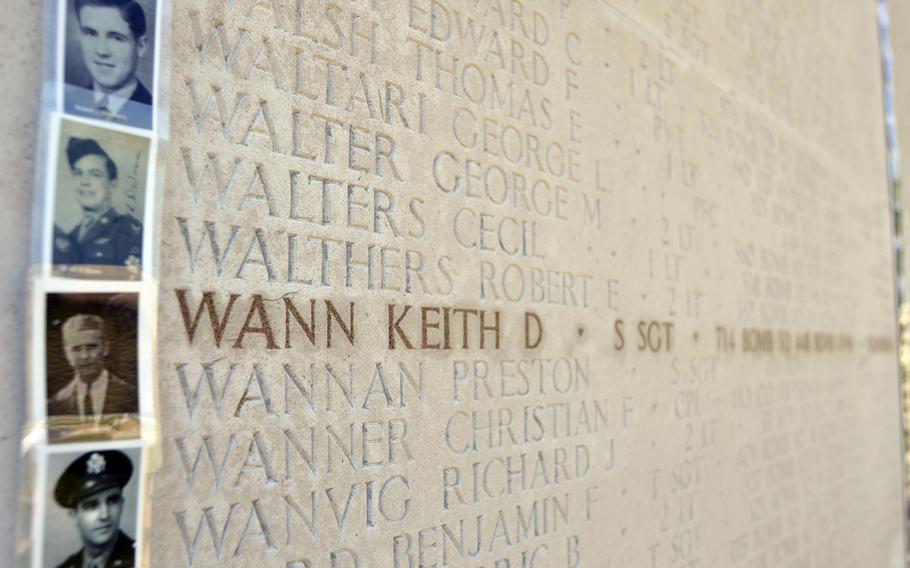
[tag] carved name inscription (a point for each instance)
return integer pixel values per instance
(523, 284)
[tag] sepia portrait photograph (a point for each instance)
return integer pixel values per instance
(109, 59)
(91, 515)
(99, 202)
(92, 365)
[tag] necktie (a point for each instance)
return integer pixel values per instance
(87, 402)
(103, 107)
(87, 223)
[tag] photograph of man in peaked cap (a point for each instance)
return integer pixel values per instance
(92, 346)
(97, 493)
(110, 60)
(100, 197)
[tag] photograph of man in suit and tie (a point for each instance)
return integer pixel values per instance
(91, 359)
(99, 201)
(110, 60)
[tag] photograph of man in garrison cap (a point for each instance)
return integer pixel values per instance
(94, 493)
(100, 197)
(110, 60)
(91, 358)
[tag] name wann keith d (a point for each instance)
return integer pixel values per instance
(333, 324)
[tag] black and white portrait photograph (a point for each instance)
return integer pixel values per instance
(109, 60)
(99, 202)
(92, 507)
(92, 365)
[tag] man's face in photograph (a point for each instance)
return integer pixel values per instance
(85, 351)
(94, 185)
(109, 49)
(98, 516)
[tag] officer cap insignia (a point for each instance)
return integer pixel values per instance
(92, 473)
(95, 464)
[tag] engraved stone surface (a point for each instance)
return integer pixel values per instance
(526, 284)
(505, 283)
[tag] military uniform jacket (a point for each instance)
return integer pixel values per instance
(123, 555)
(113, 239)
(121, 398)
(137, 111)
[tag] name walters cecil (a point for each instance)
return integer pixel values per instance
(240, 321)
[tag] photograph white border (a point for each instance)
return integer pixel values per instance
(39, 496)
(145, 352)
(60, 78)
(50, 191)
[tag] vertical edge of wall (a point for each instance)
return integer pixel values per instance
(20, 69)
(900, 40)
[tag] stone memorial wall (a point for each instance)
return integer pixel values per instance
(524, 284)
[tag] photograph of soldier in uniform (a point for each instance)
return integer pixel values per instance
(92, 343)
(99, 203)
(92, 508)
(109, 65)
